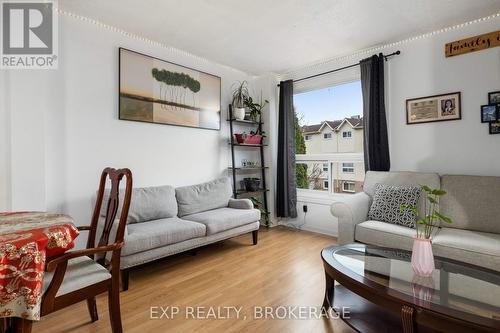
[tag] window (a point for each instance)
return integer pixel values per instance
(349, 187)
(348, 167)
(327, 162)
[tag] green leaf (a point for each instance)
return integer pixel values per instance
(426, 188)
(443, 218)
(432, 200)
(421, 221)
(438, 192)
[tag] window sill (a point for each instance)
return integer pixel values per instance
(322, 198)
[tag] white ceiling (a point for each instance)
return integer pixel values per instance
(259, 36)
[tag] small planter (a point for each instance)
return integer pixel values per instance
(239, 113)
(239, 138)
(253, 139)
(422, 258)
(252, 184)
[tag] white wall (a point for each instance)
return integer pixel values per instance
(64, 127)
(455, 147)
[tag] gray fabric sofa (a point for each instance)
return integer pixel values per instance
(163, 221)
(472, 202)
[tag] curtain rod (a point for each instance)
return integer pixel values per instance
(342, 68)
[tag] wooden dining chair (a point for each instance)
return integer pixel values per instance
(81, 275)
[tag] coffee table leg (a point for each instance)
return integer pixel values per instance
(407, 319)
(329, 292)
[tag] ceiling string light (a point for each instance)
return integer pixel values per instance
(144, 39)
(288, 74)
(359, 54)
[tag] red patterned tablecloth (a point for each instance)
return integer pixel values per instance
(26, 240)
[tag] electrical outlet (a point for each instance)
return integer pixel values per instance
(304, 208)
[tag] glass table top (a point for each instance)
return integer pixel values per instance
(453, 285)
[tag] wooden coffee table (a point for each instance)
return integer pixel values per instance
(379, 289)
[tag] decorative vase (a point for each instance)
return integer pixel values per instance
(422, 287)
(422, 259)
(239, 113)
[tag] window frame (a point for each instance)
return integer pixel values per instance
(345, 168)
(325, 197)
(347, 136)
(327, 182)
(347, 182)
(329, 138)
(307, 137)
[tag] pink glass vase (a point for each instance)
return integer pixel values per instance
(422, 259)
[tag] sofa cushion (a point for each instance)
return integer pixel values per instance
(386, 234)
(147, 203)
(472, 202)
(221, 219)
(157, 233)
(401, 178)
(477, 248)
(201, 197)
(387, 202)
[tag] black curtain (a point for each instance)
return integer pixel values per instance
(286, 190)
(376, 143)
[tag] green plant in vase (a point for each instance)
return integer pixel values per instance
(422, 258)
(432, 216)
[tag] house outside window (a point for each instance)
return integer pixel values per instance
(329, 139)
(348, 167)
(349, 187)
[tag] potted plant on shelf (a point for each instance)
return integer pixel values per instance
(255, 108)
(252, 138)
(422, 259)
(240, 95)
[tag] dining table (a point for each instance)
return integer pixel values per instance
(27, 240)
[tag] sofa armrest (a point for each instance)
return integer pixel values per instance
(240, 203)
(350, 211)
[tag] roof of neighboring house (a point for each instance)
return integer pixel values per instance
(355, 122)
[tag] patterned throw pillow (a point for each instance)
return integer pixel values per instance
(388, 200)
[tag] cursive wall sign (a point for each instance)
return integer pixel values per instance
(472, 44)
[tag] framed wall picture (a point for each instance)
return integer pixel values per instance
(433, 108)
(490, 112)
(494, 97)
(495, 127)
(157, 91)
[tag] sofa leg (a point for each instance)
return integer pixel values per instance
(255, 236)
(124, 273)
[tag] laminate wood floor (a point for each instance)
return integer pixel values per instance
(284, 270)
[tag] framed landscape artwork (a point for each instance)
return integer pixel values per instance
(157, 91)
(433, 108)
